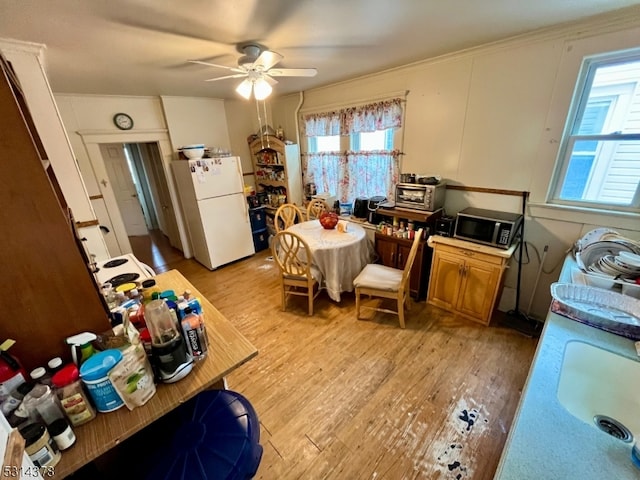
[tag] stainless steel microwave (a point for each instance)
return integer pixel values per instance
(489, 227)
(418, 196)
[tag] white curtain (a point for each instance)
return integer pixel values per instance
(354, 174)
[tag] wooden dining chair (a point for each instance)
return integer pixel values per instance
(298, 275)
(316, 207)
(387, 282)
(286, 215)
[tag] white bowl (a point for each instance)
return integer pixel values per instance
(193, 152)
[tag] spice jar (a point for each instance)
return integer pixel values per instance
(39, 445)
(72, 396)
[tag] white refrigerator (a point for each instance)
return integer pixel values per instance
(214, 206)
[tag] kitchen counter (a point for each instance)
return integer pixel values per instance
(474, 247)
(228, 349)
(545, 440)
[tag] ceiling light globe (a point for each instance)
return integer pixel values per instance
(262, 89)
(244, 89)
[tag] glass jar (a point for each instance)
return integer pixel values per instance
(42, 403)
(70, 392)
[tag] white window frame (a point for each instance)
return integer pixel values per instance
(313, 145)
(607, 141)
(352, 142)
(355, 140)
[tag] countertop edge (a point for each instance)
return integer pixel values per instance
(545, 440)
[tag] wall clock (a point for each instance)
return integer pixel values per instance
(123, 121)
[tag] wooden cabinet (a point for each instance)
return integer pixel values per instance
(466, 278)
(277, 169)
(393, 252)
(47, 290)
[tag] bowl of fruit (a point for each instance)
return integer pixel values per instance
(329, 220)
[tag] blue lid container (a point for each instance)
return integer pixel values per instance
(216, 437)
(93, 373)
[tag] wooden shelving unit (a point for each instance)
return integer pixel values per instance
(276, 167)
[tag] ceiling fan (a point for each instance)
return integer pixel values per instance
(256, 66)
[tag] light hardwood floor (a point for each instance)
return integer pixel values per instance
(340, 398)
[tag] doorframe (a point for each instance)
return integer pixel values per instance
(92, 140)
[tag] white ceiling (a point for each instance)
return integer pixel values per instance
(140, 47)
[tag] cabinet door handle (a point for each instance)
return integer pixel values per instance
(460, 269)
(399, 259)
(393, 254)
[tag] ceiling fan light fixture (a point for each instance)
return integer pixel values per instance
(262, 89)
(244, 89)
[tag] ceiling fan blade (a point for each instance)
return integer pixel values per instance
(141, 18)
(269, 80)
(237, 75)
(233, 69)
(266, 60)
(293, 72)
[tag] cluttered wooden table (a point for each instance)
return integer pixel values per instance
(228, 349)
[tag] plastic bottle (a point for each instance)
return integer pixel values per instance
(54, 365)
(81, 347)
(72, 396)
(195, 334)
(62, 434)
(40, 375)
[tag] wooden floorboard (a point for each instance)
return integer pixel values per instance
(340, 398)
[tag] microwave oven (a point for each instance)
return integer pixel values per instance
(416, 196)
(489, 227)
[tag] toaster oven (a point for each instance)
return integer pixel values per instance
(428, 198)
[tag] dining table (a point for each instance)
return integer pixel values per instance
(339, 253)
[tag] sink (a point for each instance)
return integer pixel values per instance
(601, 388)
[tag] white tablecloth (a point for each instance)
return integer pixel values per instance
(340, 256)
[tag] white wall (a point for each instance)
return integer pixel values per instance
(192, 120)
(492, 117)
(242, 122)
(171, 121)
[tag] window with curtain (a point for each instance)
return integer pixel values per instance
(351, 152)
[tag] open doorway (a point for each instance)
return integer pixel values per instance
(142, 195)
(125, 183)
